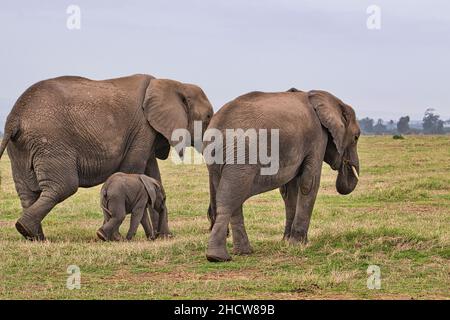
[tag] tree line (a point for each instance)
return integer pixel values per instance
(431, 124)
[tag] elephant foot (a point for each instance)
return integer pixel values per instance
(30, 231)
(117, 237)
(164, 236)
(242, 250)
(217, 255)
(298, 238)
(101, 235)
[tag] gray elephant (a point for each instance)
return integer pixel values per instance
(313, 127)
(125, 193)
(71, 132)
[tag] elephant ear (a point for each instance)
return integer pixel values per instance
(104, 199)
(162, 147)
(332, 115)
(166, 109)
(150, 186)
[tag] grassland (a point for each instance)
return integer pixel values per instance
(398, 218)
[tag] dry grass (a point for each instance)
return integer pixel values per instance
(398, 218)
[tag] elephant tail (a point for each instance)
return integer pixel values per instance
(11, 131)
(5, 141)
(9, 134)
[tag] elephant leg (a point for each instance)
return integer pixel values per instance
(163, 225)
(27, 197)
(58, 180)
(217, 251)
(234, 188)
(155, 220)
(152, 170)
(136, 218)
(110, 229)
(150, 231)
(289, 192)
(241, 244)
(106, 217)
(212, 209)
(158, 219)
(308, 186)
(24, 180)
(29, 224)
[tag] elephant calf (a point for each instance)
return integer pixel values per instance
(133, 193)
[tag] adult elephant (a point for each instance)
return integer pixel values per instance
(71, 132)
(313, 127)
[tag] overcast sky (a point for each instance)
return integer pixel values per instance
(230, 47)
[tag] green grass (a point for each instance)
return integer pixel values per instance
(398, 218)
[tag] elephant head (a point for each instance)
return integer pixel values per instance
(343, 133)
(169, 105)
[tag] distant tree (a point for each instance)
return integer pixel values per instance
(366, 125)
(432, 124)
(447, 129)
(403, 125)
(391, 125)
(379, 128)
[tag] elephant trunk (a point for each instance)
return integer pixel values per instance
(348, 175)
(198, 133)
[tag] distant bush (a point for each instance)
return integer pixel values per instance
(398, 137)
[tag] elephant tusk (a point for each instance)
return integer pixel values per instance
(355, 173)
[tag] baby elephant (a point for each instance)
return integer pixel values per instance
(133, 193)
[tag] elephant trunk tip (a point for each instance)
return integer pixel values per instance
(347, 179)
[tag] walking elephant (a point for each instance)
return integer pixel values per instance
(71, 132)
(136, 194)
(313, 127)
